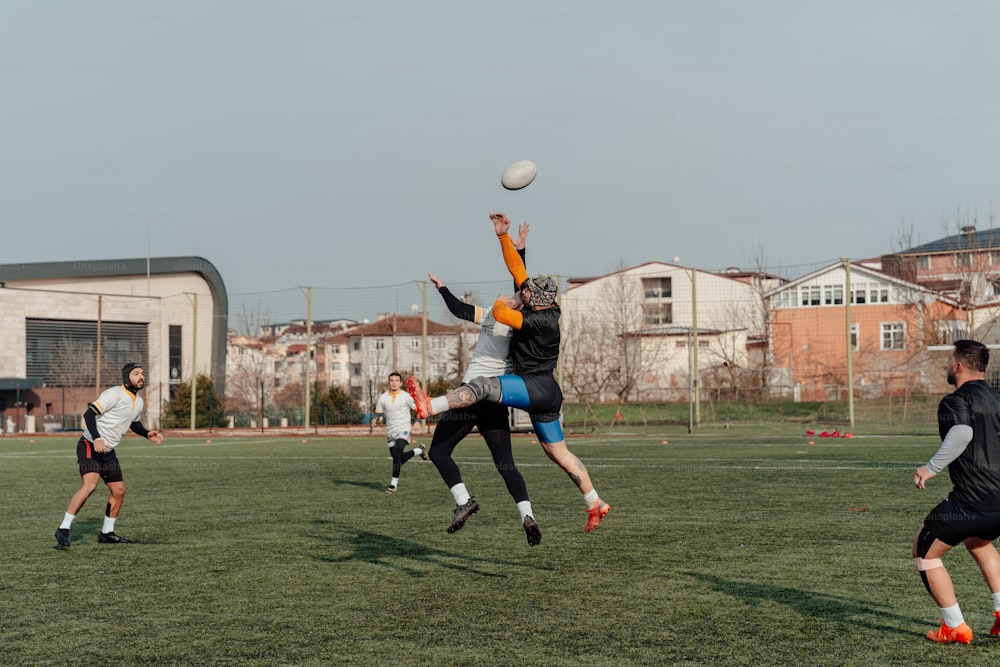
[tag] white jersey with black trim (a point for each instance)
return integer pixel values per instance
(489, 358)
(396, 409)
(118, 409)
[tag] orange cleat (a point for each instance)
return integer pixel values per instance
(596, 514)
(419, 397)
(962, 634)
(995, 630)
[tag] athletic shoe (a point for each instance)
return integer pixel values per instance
(531, 531)
(462, 514)
(414, 389)
(62, 536)
(391, 489)
(995, 630)
(425, 452)
(962, 634)
(596, 514)
(111, 538)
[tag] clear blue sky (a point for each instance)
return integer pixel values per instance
(339, 144)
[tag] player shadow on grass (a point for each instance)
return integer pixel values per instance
(386, 551)
(811, 603)
(364, 485)
(83, 531)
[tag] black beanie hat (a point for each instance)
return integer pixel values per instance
(126, 371)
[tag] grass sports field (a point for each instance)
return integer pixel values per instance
(720, 549)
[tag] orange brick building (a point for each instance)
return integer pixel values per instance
(887, 323)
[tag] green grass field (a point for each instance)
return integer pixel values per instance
(725, 549)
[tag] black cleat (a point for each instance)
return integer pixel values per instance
(425, 452)
(111, 538)
(531, 531)
(62, 536)
(462, 514)
(391, 489)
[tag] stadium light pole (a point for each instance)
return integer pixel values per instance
(308, 364)
(193, 298)
(847, 337)
(423, 340)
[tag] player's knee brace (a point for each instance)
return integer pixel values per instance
(922, 545)
(486, 389)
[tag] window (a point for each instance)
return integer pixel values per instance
(859, 293)
(335, 366)
(855, 337)
(657, 313)
(810, 295)
(948, 331)
(924, 262)
(335, 349)
(379, 343)
(962, 260)
(356, 370)
(833, 295)
(893, 336)
(63, 352)
(656, 288)
(415, 342)
(356, 345)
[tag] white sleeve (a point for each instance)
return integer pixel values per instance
(955, 441)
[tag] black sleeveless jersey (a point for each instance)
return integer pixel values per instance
(976, 472)
(534, 347)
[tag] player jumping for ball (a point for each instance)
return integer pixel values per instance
(534, 353)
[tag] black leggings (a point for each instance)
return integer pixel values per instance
(491, 418)
(399, 457)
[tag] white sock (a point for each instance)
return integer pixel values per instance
(996, 602)
(460, 493)
(394, 481)
(524, 507)
(68, 521)
(109, 525)
(439, 404)
(419, 451)
(952, 616)
(591, 498)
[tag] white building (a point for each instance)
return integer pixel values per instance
(630, 334)
(168, 313)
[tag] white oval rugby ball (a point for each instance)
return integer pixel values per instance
(519, 175)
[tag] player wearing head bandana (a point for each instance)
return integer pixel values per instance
(534, 353)
(115, 412)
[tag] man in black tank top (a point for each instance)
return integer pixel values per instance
(969, 426)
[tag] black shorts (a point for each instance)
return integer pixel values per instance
(545, 395)
(106, 464)
(951, 523)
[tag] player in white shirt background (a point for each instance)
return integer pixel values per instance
(394, 406)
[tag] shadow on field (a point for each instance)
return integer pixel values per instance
(810, 603)
(364, 485)
(393, 552)
(83, 530)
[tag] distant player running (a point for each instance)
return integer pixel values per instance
(394, 406)
(534, 352)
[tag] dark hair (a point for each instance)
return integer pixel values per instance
(972, 354)
(396, 373)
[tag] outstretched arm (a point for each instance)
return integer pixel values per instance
(458, 308)
(501, 224)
